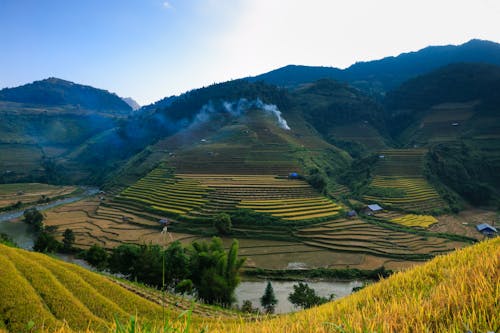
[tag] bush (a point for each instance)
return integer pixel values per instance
(222, 222)
(305, 297)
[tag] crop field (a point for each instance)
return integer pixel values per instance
(446, 294)
(400, 162)
(19, 160)
(93, 223)
(51, 293)
(203, 195)
(30, 192)
(412, 220)
(362, 133)
(446, 122)
(452, 293)
(358, 236)
(399, 182)
(418, 194)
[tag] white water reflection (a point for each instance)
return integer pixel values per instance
(253, 291)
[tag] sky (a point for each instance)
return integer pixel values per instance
(151, 49)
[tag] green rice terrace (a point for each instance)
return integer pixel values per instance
(192, 196)
(300, 216)
(399, 182)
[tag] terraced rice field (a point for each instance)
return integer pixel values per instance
(357, 236)
(94, 223)
(295, 209)
(163, 192)
(203, 195)
(51, 293)
(418, 195)
(402, 169)
(400, 162)
(411, 220)
(30, 192)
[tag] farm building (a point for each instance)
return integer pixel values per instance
(293, 175)
(352, 214)
(164, 221)
(372, 209)
(486, 229)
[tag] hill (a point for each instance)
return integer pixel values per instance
(132, 103)
(53, 294)
(455, 112)
(43, 123)
(451, 293)
(53, 92)
(378, 76)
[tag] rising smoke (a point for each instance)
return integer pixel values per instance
(237, 108)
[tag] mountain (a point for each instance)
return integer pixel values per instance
(43, 122)
(132, 103)
(54, 92)
(379, 76)
(455, 111)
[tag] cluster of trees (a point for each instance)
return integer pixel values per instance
(45, 241)
(302, 296)
(204, 269)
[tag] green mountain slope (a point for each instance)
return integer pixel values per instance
(455, 111)
(54, 92)
(43, 122)
(379, 76)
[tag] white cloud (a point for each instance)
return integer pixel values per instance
(167, 5)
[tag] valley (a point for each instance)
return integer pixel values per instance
(297, 174)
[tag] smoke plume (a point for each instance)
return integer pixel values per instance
(237, 108)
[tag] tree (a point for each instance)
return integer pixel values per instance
(97, 257)
(215, 273)
(305, 297)
(176, 264)
(68, 240)
(247, 307)
(46, 243)
(34, 218)
(268, 300)
(222, 222)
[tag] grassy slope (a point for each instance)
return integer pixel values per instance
(452, 293)
(49, 292)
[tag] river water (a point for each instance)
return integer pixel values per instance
(25, 238)
(253, 291)
(246, 290)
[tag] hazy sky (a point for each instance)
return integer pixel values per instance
(150, 49)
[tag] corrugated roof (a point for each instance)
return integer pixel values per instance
(485, 226)
(375, 207)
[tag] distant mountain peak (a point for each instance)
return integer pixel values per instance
(132, 103)
(56, 92)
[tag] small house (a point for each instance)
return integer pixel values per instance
(164, 222)
(373, 209)
(293, 175)
(352, 214)
(486, 229)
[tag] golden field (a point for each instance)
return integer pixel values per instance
(452, 293)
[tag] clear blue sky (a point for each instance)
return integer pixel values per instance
(150, 49)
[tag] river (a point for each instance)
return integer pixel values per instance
(25, 238)
(253, 291)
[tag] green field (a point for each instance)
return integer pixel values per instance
(399, 182)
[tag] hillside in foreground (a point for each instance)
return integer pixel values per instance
(452, 293)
